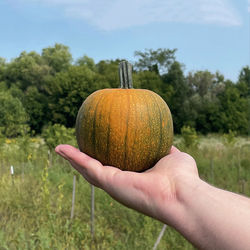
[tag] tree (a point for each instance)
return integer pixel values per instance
(178, 100)
(233, 109)
(27, 70)
(148, 80)
(243, 83)
(13, 117)
(245, 75)
(203, 102)
(158, 60)
(205, 83)
(68, 89)
(89, 62)
(108, 71)
(3, 66)
(58, 57)
(36, 106)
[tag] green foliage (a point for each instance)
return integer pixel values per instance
(230, 138)
(3, 86)
(36, 203)
(148, 80)
(244, 77)
(27, 69)
(58, 57)
(189, 136)
(36, 105)
(68, 89)
(13, 117)
(158, 60)
(58, 134)
(52, 88)
(85, 60)
(178, 100)
(233, 110)
(2, 68)
(203, 105)
(108, 72)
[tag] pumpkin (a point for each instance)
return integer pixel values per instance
(127, 128)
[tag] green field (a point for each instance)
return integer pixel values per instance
(36, 201)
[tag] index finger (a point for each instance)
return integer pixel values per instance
(91, 169)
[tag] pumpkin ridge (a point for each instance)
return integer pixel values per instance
(150, 122)
(109, 129)
(94, 124)
(160, 113)
(79, 122)
(126, 134)
(134, 146)
(101, 125)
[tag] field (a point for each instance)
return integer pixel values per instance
(36, 201)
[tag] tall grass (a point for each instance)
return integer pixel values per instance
(35, 205)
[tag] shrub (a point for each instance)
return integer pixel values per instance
(189, 136)
(58, 134)
(13, 117)
(230, 138)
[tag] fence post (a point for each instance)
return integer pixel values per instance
(73, 198)
(212, 170)
(49, 158)
(12, 174)
(92, 210)
(160, 236)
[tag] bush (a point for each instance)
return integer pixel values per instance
(230, 138)
(58, 134)
(189, 136)
(13, 117)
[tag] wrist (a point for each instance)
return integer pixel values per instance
(189, 190)
(185, 189)
(211, 218)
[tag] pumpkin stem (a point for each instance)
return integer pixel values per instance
(125, 73)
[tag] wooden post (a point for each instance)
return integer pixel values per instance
(73, 198)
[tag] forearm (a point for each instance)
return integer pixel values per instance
(212, 218)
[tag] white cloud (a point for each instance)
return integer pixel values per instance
(248, 7)
(117, 14)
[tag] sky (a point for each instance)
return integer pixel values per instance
(209, 35)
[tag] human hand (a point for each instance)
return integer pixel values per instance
(154, 192)
(172, 192)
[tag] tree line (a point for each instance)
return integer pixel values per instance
(37, 89)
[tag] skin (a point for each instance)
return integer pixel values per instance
(172, 192)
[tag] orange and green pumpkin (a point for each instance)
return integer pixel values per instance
(126, 128)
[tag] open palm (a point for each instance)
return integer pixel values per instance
(150, 192)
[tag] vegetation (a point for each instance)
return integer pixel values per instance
(50, 87)
(36, 201)
(40, 95)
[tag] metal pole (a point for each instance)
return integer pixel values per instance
(12, 173)
(160, 236)
(92, 210)
(73, 198)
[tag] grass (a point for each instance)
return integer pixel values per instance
(36, 202)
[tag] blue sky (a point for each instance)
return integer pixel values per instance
(209, 34)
